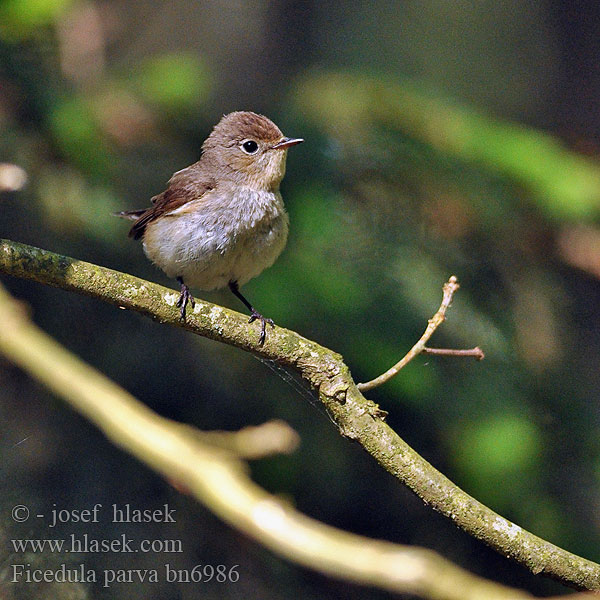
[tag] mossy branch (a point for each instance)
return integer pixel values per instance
(208, 466)
(356, 417)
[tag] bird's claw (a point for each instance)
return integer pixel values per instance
(263, 329)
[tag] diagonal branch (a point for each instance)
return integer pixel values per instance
(356, 417)
(218, 479)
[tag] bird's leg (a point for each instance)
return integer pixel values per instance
(233, 286)
(184, 298)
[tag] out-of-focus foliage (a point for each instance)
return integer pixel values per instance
(20, 19)
(407, 176)
(565, 184)
(174, 81)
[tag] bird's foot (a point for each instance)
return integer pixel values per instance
(184, 298)
(263, 330)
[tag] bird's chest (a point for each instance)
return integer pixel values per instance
(251, 222)
(221, 239)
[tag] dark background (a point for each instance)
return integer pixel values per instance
(441, 138)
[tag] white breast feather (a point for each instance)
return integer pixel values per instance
(218, 241)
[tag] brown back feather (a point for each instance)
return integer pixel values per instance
(186, 185)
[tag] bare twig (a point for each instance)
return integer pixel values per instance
(476, 353)
(252, 442)
(356, 417)
(450, 287)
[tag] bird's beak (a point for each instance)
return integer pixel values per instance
(286, 142)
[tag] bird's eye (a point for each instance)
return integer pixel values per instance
(249, 146)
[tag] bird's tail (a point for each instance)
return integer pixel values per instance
(132, 215)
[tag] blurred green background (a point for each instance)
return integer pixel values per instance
(441, 138)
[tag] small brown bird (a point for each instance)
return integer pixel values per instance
(221, 221)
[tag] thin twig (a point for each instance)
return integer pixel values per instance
(476, 353)
(450, 287)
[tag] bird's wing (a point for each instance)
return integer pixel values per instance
(185, 185)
